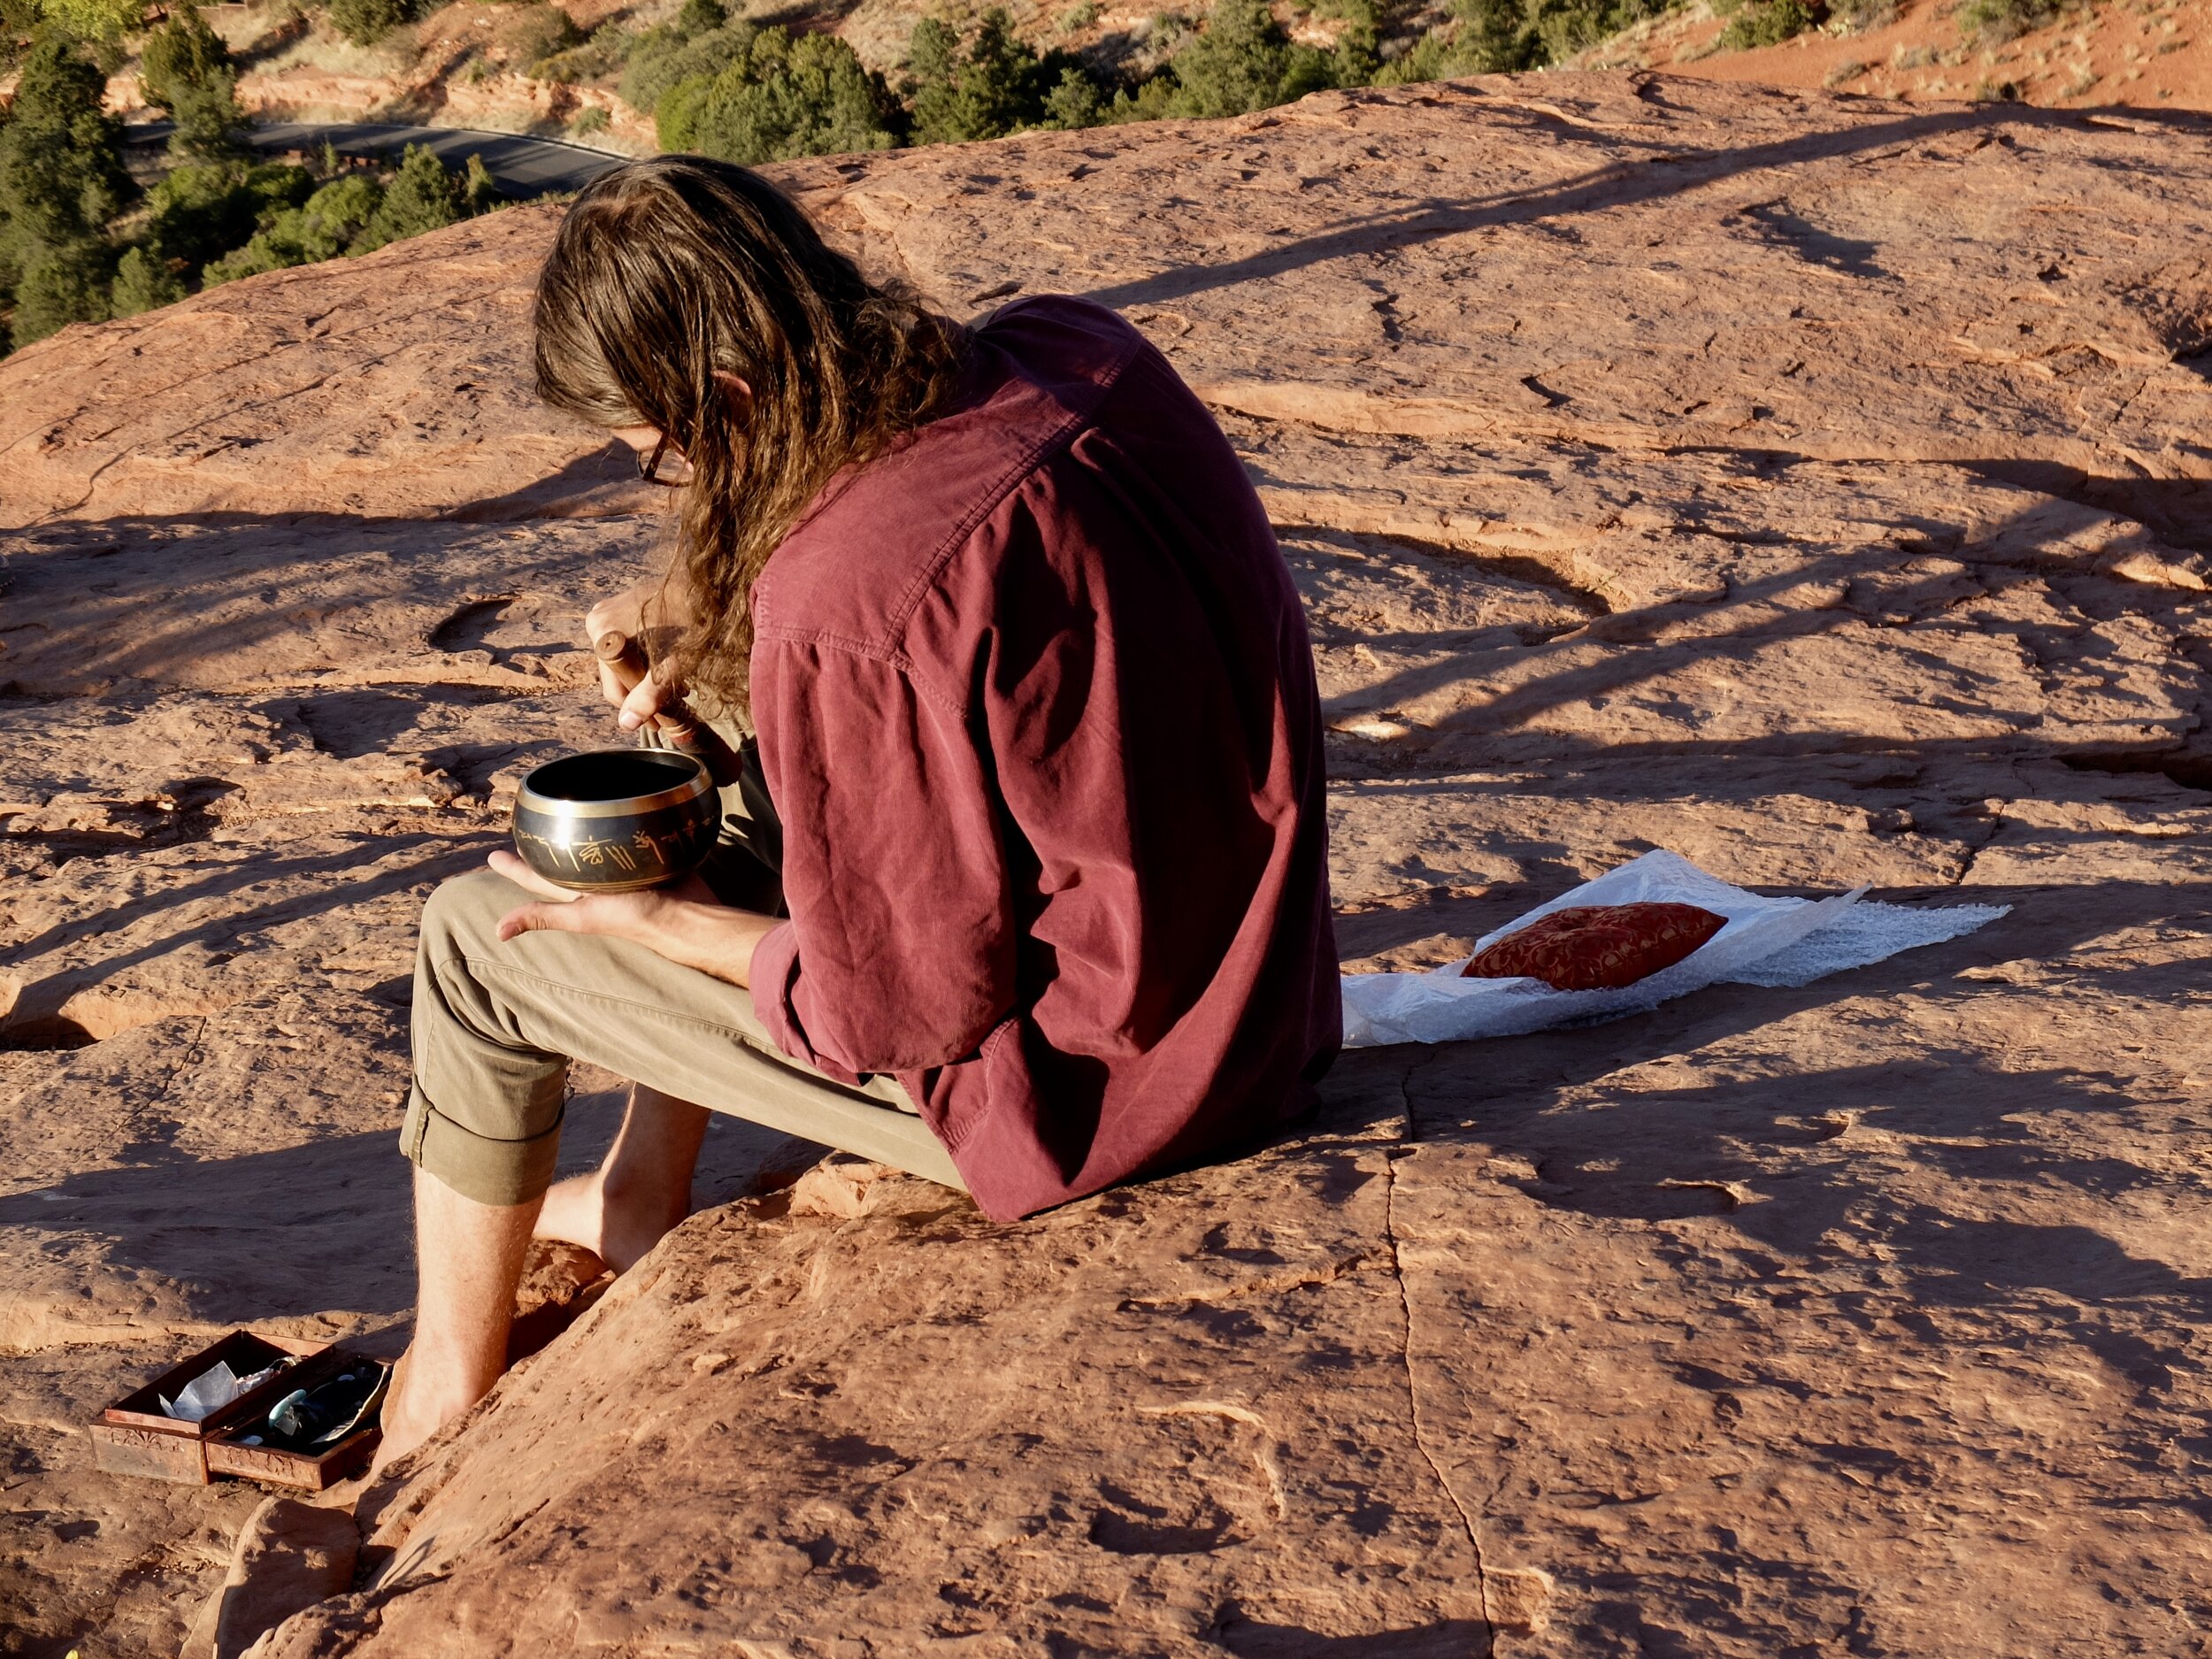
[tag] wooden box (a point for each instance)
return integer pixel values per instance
(226, 1455)
(134, 1436)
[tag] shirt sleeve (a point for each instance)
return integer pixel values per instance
(899, 954)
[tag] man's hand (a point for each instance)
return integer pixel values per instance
(682, 923)
(649, 609)
(658, 602)
(641, 700)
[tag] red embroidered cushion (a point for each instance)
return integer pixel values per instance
(1598, 947)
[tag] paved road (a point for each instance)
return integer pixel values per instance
(520, 166)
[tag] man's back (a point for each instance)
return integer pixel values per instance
(1036, 705)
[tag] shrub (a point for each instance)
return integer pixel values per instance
(144, 282)
(701, 17)
(62, 283)
(100, 21)
(1993, 22)
(358, 213)
(1488, 37)
(811, 96)
(539, 32)
(323, 228)
(985, 92)
(186, 70)
(1151, 101)
(1767, 23)
(479, 193)
(650, 70)
(199, 212)
(595, 119)
(1856, 17)
(994, 85)
(365, 22)
(607, 49)
(1242, 62)
(1358, 53)
(1237, 65)
(1074, 102)
(422, 195)
(663, 58)
(1079, 17)
(1566, 27)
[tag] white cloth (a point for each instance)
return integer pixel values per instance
(1767, 941)
(209, 1392)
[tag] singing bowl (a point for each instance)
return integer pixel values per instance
(614, 820)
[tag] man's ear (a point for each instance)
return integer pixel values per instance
(734, 387)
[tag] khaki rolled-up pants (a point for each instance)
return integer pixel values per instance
(495, 1026)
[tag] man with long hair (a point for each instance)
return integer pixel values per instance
(1025, 887)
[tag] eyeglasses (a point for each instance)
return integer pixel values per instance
(669, 471)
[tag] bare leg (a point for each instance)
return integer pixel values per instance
(621, 1209)
(468, 1260)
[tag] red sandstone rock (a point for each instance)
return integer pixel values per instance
(1815, 486)
(289, 1556)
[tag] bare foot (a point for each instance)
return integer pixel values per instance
(402, 1433)
(415, 1407)
(617, 1221)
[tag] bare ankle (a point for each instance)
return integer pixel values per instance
(636, 1202)
(425, 1395)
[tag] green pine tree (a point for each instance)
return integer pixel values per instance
(1485, 37)
(701, 17)
(421, 197)
(186, 71)
(96, 22)
(1242, 62)
(324, 227)
(61, 162)
(197, 213)
(479, 193)
(144, 282)
(1769, 23)
(365, 22)
(992, 89)
(787, 98)
(61, 181)
(1074, 102)
(663, 59)
(1358, 58)
(62, 283)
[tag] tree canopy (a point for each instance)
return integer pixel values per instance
(186, 70)
(61, 180)
(782, 97)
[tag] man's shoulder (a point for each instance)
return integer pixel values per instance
(1040, 372)
(1074, 348)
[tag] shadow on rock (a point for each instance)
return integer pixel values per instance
(1449, 1638)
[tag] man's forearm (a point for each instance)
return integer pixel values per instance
(684, 924)
(712, 938)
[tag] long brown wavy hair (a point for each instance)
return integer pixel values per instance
(667, 270)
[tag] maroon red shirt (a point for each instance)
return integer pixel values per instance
(1036, 708)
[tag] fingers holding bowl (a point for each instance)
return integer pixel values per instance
(512, 866)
